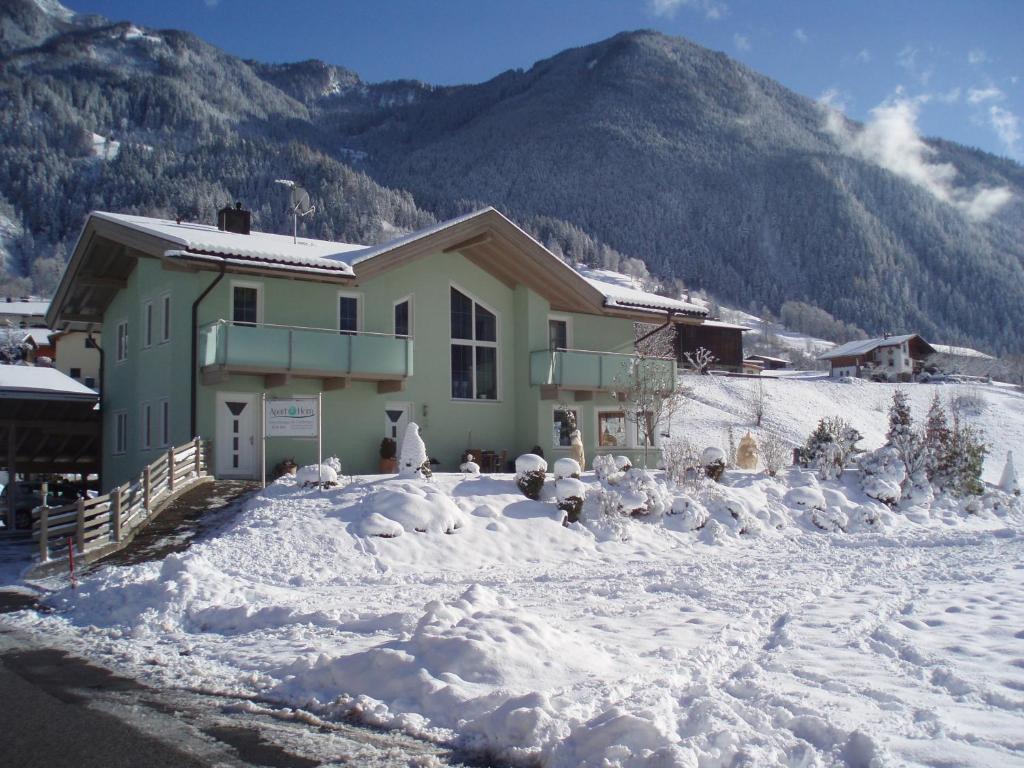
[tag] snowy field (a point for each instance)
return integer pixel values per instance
(800, 624)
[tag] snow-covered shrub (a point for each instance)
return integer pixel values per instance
(831, 445)
(570, 493)
(966, 459)
(622, 463)
(531, 470)
(882, 474)
(690, 513)
(316, 475)
(638, 494)
(604, 466)
(713, 461)
(414, 461)
(734, 515)
(830, 519)
(908, 442)
(390, 512)
(936, 444)
(804, 498)
(681, 461)
(334, 463)
(775, 452)
(567, 468)
(469, 466)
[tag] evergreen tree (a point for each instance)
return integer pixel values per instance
(903, 437)
(966, 458)
(937, 444)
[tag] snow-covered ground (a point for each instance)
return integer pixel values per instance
(766, 622)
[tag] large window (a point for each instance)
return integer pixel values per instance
(474, 349)
(558, 334)
(348, 313)
(245, 304)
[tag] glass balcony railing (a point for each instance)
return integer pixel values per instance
(304, 351)
(586, 370)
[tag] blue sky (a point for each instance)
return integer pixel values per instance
(956, 67)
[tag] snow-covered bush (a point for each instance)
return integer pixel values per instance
(316, 475)
(604, 466)
(830, 447)
(804, 498)
(830, 519)
(334, 463)
(622, 463)
(570, 493)
(530, 473)
(882, 474)
(775, 452)
(713, 461)
(567, 468)
(390, 512)
(414, 461)
(690, 513)
(469, 466)
(681, 460)
(638, 493)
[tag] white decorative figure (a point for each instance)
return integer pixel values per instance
(469, 466)
(1009, 482)
(414, 452)
(746, 455)
(576, 448)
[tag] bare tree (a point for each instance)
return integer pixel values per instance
(700, 361)
(758, 403)
(775, 451)
(12, 342)
(648, 389)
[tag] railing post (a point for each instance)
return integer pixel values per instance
(115, 513)
(145, 489)
(80, 525)
(44, 526)
(195, 456)
(170, 469)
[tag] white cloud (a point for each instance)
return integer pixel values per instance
(800, 35)
(890, 139)
(863, 56)
(742, 42)
(712, 9)
(1007, 127)
(949, 97)
(978, 95)
(977, 56)
(911, 60)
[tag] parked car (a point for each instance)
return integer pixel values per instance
(28, 496)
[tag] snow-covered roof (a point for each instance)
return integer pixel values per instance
(26, 307)
(723, 324)
(946, 349)
(769, 358)
(864, 346)
(622, 291)
(39, 336)
(32, 381)
(256, 246)
(368, 252)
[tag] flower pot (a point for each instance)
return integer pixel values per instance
(388, 466)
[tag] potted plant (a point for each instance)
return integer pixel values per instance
(388, 456)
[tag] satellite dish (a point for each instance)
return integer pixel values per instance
(299, 204)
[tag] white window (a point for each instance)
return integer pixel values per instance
(474, 347)
(165, 423)
(165, 317)
(246, 303)
(146, 427)
(562, 425)
(147, 324)
(349, 312)
(120, 431)
(122, 341)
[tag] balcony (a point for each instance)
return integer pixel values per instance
(584, 372)
(278, 352)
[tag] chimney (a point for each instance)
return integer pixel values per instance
(234, 219)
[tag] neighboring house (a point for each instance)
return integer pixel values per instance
(723, 340)
(893, 358)
(769, 363)
(37, 344)
(28, 312)
(471, 328)
(77, 354)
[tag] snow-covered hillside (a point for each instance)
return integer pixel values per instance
(793, 406)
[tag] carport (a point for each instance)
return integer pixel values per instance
(49, 425)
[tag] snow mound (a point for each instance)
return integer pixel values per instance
(530, 462)
(805, 498)
(567, 467)
(464, 660)
(312, 474)
(390, 512)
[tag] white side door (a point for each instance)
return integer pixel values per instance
(237, 449)
(396, 418)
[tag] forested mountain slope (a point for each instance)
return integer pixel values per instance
(641, 145)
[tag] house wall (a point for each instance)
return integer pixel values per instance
(353, 417)
(71, 353)
(726, 344)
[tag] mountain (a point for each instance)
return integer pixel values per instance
(637, 146)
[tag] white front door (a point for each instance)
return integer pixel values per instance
(396, 418)
(237, 419)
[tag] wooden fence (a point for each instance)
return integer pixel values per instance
(104, 524)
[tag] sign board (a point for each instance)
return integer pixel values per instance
(292, 417)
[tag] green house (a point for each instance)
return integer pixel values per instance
(470, 328)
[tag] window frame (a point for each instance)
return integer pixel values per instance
(164, 422)
(613, 411)
(359, 310)
(394, 306)
(258, 287)
(120, 446)
(473, 344)
(165, 317)
(121, 341)
(147, 324)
